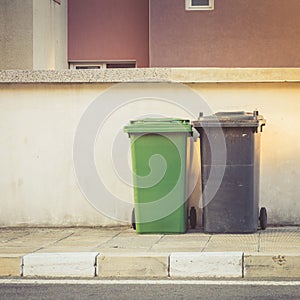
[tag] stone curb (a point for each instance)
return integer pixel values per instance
(264, 265)
(10, 265)
(206, 264)
(80, 264)
(150, 265)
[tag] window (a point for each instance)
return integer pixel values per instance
(119, 65)
(102, 65)
(86, 66)
(199, 4)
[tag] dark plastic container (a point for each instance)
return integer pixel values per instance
(235, 136)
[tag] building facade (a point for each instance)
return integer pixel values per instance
(61, 34)
(115, 32)
(33, 34)
(176, 33)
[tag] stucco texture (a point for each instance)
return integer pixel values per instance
(237, 33)
(38, 123)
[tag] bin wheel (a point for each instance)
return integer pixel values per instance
(193, 217)
(133, 220)
(263, 218)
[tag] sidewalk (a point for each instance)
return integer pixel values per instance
(120, 252)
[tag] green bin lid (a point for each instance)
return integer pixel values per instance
(155, 125)
(231, 119)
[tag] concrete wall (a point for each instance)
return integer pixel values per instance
(38, 123)
(33, 34)
(237, 33)
(38, 185)
(49, 35)
(16, 34)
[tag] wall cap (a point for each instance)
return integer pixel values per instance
(183, 75)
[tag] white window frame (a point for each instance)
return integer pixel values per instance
(95, 64)
(189, 6)
(92, 65)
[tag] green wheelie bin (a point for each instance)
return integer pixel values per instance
(159, 148)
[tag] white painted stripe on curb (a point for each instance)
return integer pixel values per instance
(142, 282)
(206, 264)
(79, 264)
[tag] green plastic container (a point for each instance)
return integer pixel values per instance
(159, 150)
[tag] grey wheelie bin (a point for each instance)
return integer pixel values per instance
(230, 166)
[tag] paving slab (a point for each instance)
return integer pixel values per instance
(9, 235)
(40, 238)
(180, 243)
(86, 241)
(117, 245)
(18, 250)
(65, 249)
(131, 241)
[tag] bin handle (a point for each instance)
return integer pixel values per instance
(261, 127)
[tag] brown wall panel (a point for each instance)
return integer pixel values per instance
(237, 33)
(109, 30)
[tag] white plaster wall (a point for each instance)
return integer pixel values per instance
(37, 181)
(37, 126)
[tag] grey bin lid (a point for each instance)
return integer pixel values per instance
(231, 119)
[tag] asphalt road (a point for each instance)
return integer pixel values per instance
(148, 290)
